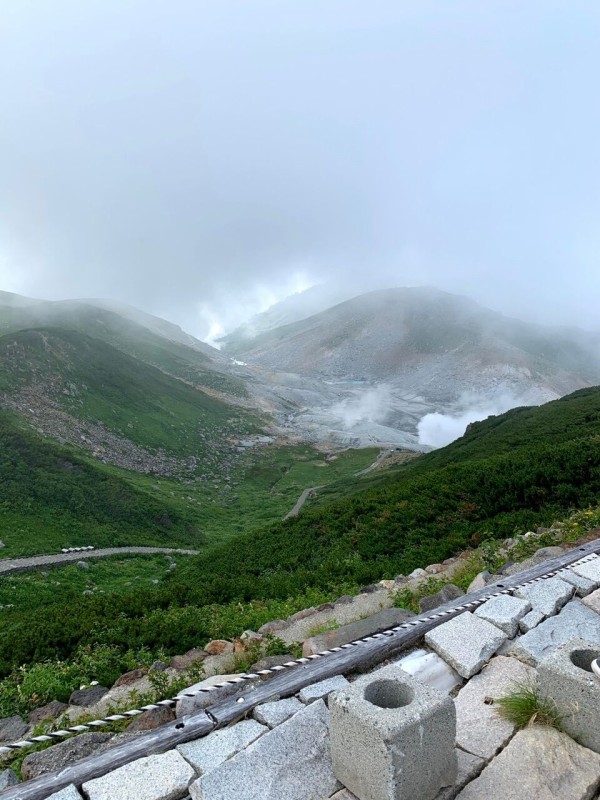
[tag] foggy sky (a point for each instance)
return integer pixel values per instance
(202, 158)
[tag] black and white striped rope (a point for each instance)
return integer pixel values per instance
(172, 701)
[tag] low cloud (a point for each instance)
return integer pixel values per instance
(371, 405)
(438, 430)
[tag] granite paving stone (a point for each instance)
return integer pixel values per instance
(291, 762)
(163, 777)
(208, 752)
(593, 601)
(590, 570)
(479, 728)
(540, 763)
(530, 621)
(319, 690)
(504, 612)
(273, 714)
(575, 621)
(469, 767)
(466, 642)
(546, 596)
(583, 586)
(70, 793)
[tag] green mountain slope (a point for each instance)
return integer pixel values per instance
(50, 498)
(153, 341)
(76, 387)
(422, 512)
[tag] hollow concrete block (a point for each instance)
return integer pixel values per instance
(392, 737)
(566, 677)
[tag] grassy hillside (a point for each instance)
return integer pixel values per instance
(525, 469)
(51, 498)
(94, 381)
(198, 365)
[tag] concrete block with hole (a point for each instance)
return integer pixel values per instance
(392, 737)
(566, 677)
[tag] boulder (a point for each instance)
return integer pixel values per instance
(12, 728)
(152, 719)
(184, 662)
(268, 662)
(479, 581)
(59, 755)
(445, 595)
(219, 647)
(129, 677)
(87, 697)
(49, 711)
(7, 779)
(83, 565)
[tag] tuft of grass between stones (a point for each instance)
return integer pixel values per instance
(524, 705)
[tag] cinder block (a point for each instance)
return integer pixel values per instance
(566, 677)
(392, 737)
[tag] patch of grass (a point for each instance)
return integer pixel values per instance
(524, 705)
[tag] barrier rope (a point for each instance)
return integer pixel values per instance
(171, 701)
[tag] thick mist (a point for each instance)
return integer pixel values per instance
(204, 160)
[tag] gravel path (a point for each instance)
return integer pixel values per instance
(21, 564)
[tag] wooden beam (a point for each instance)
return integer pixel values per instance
(353, 659)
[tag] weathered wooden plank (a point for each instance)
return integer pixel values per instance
(352, 659)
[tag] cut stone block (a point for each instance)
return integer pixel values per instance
(589, 569)
(567, 678)
(469, 767)
(466, 642)
(575, 621)
(479, 728)
(429, 668)
(207, 753)
(547, 596)
(291, 762)
(538, 763)
(593, 601)
(392, 737)
(504, 612)
(273, 714)
(382, 620)
(343, 794)
(530, 621)
(70, 793)
(583, 586)
(317, 691)
(163, 777)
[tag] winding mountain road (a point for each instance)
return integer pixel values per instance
(12, 565)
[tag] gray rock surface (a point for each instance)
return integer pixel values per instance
(273, 714)
(393, 737)
(541, 555)
(386, 618)
(320, 690)
(538, 763)
(566, 677)
(49, 711)
(593, 601)
(187, 705)
(12, 728)
(590, 570)
(88, 697)
(266, 771)
(210, 751)
(479, 728)
(445, 595)
(162, 777)
(583, 586)
(547, 596)
(466, 642)
(530, 621)
(479, 581)
(7, 779)
(151, 719)
(575, 621)
(504, 612)
(59, 755)
(469, 767)
(69, 793)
